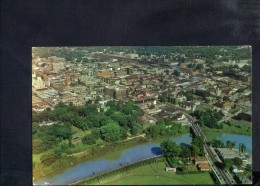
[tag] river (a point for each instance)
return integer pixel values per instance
(90, 167)
(132, 154)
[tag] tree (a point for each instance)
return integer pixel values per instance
(176, 73)
(88, 139)
(170, 148)
(238, 161)
(228, 163)
(96, 134)
(198, 141)
(98, 98)
(242, 147)
(38, 146)
(35, 128)
(134, 130)
(185, 152)
(199, 66)
(195, 150)
(111, 132)
(230, 144)
(217, 143)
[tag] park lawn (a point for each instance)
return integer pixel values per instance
(146, 175)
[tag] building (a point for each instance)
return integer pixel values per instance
(235, 169)
(203, 166)
(226, 153)
(200, 159)
(170, 169)
(38, 83)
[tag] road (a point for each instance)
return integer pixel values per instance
(223, 176)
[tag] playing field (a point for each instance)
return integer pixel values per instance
(146, 175)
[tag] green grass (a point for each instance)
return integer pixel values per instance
(240, 122)
(36, 158)
(146, 175)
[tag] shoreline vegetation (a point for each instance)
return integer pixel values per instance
(97, 152)
(104, 151)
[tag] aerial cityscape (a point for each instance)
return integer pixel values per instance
(142, 115)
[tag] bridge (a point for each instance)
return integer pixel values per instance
(222, 175)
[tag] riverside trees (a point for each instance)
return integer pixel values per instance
(109, 126)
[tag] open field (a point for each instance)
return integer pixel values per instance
(146, 175)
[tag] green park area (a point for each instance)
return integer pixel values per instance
(147, 175)
(83, 133)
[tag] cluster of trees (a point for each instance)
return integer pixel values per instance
(165, 98)
(163, 127)
(197, 146)
(173, 151)
(46, 137)
(202, 93)
(235, 161)
(209, 118)
(110, 126)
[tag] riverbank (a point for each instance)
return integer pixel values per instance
(69, 161)
(110, 152)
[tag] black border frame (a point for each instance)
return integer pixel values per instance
(25, 24)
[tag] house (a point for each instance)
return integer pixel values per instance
(200, 159)
(235, 169)
(203, 166)
(170, 169)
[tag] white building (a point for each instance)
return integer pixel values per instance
(38, 83)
